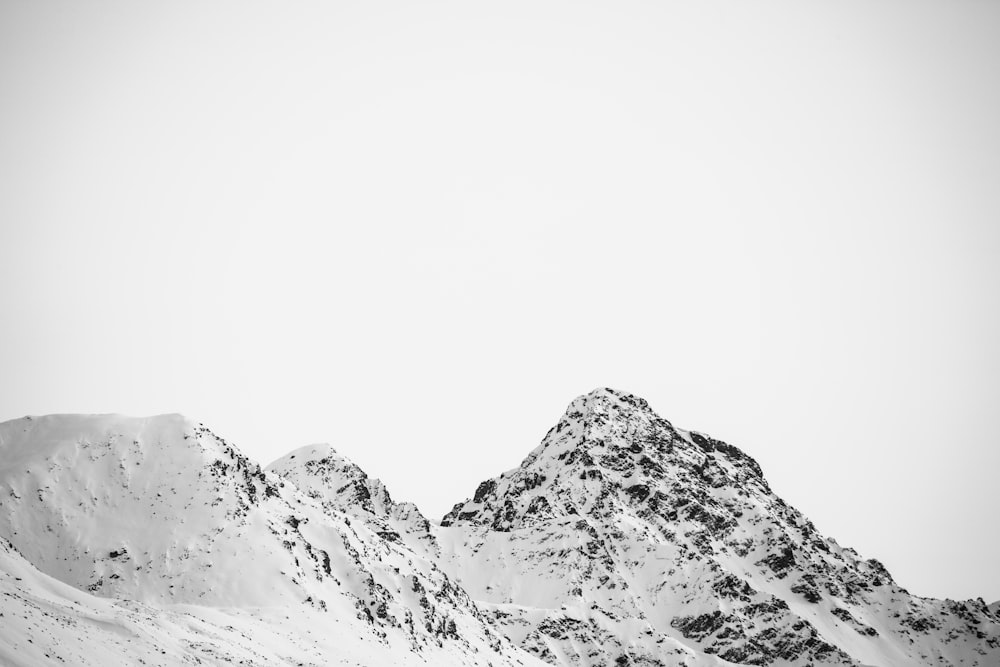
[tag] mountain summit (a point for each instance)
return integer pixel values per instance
(619, 540)
(636, 536)
(608, 450)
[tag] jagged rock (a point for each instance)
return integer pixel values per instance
(679, 532)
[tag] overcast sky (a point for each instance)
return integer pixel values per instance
(417, 230)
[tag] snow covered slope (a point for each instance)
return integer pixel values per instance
(621, 538)
(44, 621)
(162, 512)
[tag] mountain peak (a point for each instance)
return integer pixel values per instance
(608, 449)
(603, 399)
(340, 485)
(618, 510)
(590, 418)
(314, 452)
(64, 475)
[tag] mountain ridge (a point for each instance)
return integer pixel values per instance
(163, 512)
(619, 539)
(620, 486)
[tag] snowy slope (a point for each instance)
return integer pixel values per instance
(620, 535)
(620, 540)
(44, 621)
(160, 511)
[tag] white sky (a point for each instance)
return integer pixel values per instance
(417, 230)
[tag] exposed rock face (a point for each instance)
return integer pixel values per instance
(659, 536)
(620, 540)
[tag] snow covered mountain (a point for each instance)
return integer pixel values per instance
(624, 540)
(340, 486)
(162, 513)
(620, 540)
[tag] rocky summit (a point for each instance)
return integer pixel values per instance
(619, 540)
